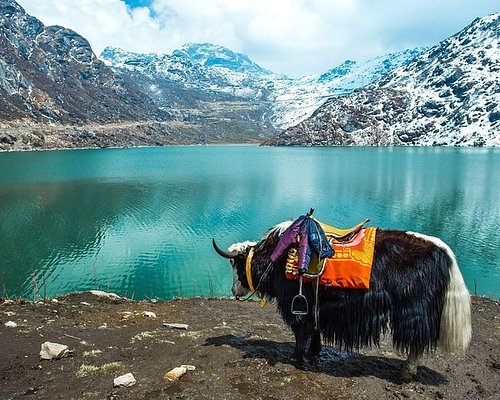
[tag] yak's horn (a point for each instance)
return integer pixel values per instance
(223, 253)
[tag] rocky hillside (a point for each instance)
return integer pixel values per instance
(50, 74)
(449, 95)
(212, 79)
(202, 84)
(294, 100)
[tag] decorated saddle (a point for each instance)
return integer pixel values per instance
(350, 264)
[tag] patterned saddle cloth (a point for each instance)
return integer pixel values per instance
(350, 266)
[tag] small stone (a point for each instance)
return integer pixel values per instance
(103, 326)
(175, 326)
(10, 324)
(126, 314)
(84, 303)
(9, 313)
(53, 351)
(175, 374)
(188, 367)
(149, 314)
(126, 380)
(55, 301)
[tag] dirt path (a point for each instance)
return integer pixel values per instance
(239, 350)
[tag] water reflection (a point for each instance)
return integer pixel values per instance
(139, 221)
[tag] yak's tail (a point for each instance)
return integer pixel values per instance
(456, 330)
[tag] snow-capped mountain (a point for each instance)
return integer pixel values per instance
(294, 100)
(211, 55)
(211, 68)
(284, 101)
(449, 95)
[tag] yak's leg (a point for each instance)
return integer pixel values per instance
(315, 345)
(302, 334)
(408, 371)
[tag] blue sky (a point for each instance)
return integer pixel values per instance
(138, 3)
(293, 37)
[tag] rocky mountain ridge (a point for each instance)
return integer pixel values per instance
(54, 92)
(216, 71)
(50, 74)
(449, 95)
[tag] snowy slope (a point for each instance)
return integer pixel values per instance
(215, 69)
(296, 100)
(450, 95)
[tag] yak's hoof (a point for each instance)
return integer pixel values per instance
(297, 359)
(313, 352)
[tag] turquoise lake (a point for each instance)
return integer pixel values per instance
(139, 222)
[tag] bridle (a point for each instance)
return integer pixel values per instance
(248, 272)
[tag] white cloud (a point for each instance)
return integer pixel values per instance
(295, 37)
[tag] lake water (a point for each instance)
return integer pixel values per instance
(139, 222)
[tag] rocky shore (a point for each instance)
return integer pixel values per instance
(234, 350)
(27, 135)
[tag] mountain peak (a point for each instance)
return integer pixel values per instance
(212, 55)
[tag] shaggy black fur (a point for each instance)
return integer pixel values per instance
(407, 286)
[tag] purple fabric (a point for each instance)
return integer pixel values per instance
(287, 239)
(310, 236)
(304, 249)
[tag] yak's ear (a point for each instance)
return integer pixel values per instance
(223, 253)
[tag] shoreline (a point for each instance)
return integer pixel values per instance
(28, 136)
(239, 351)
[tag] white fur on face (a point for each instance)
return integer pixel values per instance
(238, 289)
(241, 247)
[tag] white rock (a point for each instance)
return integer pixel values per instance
(188, 367)
(55, 301)
(126, 380)
(53, 351)
(149, 314)
(10, 324)
(126, 314)
(175, 326)
(84, 303)
(174, 374)
(9, 313)
(100, 293)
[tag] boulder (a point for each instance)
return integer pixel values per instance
(53, 351)
(126, 380)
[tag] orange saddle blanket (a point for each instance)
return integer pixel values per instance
(351, 265)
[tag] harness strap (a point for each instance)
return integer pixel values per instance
(249, 278)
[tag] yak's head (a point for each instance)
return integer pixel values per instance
(237, 255)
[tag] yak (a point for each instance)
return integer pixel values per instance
(416, 293)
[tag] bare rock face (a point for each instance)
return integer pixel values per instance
(50, 74)
(449, 95)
